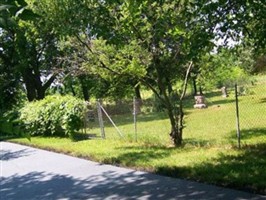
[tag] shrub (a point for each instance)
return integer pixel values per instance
(10, 125)
(55, 115)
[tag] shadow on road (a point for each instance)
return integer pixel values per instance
(110, 184)
(7, 155)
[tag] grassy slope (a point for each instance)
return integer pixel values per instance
(209, 153)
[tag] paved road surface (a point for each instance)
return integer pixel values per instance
(29, 173)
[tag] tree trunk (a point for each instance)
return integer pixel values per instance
(194, 86)
(85, 92)
(137, 92)
(84, 87)
(34, 86)
(177, 118)
(40, 93)
(31, 92)
(200, 90)
(176, 131)
(175, 134)
(169, 86)
(29, 84)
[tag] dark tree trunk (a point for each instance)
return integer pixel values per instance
(34, 87)
(200, 90)
(84, 87)
(40, 93)
(85, 92)
(176, 131)
(40, 90)
(31, 92)
(29, 84)
(137, 92)
(169, 86)
(194, 86)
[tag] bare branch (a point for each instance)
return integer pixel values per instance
(186, 81)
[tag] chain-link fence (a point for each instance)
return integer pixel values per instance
(213, 123)
(252, 110)
(132, 119)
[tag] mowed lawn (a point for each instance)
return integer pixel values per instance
(209, 152)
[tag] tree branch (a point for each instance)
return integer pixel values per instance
(102, 64)
(50, 81)
(186, 81)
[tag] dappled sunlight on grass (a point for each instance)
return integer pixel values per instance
(208, 153)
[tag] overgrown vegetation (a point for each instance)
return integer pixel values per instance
(55, 115)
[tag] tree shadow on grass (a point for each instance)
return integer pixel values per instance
(263, 100)
(194, 142)
(249, 133)
(213, 94)
(131, 156)
(84, 136)
(254, 132)
(222, 102)
(244, 171)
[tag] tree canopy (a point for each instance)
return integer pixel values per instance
(120, 45)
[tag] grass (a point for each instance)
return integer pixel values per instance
(209, 153)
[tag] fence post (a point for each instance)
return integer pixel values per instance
(85, 120)
(100, 117)
(237, 117)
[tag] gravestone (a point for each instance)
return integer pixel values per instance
(200, 102)
(224, 92)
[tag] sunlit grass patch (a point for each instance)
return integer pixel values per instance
(209, 152)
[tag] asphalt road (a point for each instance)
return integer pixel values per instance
(29, 173)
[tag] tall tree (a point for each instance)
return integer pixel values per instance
(33, 49)
(154, 42)
(236, 20)
(10, 12)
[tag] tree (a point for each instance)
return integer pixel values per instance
(225, 68)
(240, 21)
(239, 25)
(32, 49)
(9, 76)
(154, 43)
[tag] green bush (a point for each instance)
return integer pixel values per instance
(55, 115)
(10, 125)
